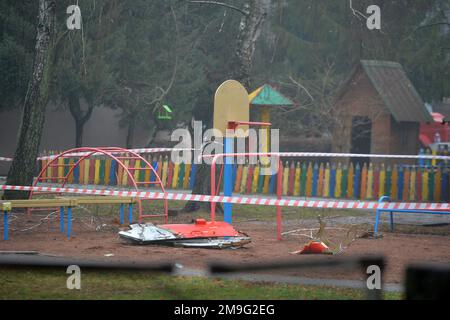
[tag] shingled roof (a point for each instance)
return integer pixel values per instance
(396, 91)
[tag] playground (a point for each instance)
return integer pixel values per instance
(216, 150)
(95, 237)
(84, 200)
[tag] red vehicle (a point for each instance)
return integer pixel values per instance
(435, 132)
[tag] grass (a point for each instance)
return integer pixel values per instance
(51, 284)
(240, 212)
(435, 230)
(262, 213)
(289, 213)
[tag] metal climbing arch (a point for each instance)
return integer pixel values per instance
(124, 158)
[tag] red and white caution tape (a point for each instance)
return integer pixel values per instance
(334, 155)
(359, 155)
(332, 204)
(80, 154)
(139, 151)
(280, 154)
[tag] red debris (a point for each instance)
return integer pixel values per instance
(314, 247)
(202, 229)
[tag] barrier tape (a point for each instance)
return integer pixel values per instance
(280, 154)
(143, 150)
(80, 154)
(344, 155)
(330, 204)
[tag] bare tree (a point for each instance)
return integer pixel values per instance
(159, 93)
(254, 13)
(80, 116)
(24, 163)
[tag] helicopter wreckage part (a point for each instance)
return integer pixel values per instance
(201, 234)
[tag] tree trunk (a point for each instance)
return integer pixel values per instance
(75, 111)
(130, 133)
(79, 129)
(202, 185)
(79, 118)
(152, 135)
(250, 29)
(24, 163)
(203, 175)
(254, 15)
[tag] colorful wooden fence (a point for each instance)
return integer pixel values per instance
(301, 179)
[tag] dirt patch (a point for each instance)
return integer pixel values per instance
(91, 241)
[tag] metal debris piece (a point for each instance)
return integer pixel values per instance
(232, 243)
(144, 233)
(201, 234)
(202, 229)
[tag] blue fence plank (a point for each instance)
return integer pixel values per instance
(314, 179)
(332, 180)
(192, 175)
(112, 173)
(356, 180)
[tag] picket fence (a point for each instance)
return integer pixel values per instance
(301, 179)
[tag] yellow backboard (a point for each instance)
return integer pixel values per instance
(231, 104)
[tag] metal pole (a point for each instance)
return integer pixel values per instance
(130, 213)
(392, 220)
(69, 221)
(279, 193)
(377, 221)
(228, 180)
(61, 219)
(5, 225)
(122, 214)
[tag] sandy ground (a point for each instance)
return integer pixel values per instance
(399, 249)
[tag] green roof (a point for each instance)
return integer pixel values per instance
(268, 96)
(167, 108)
